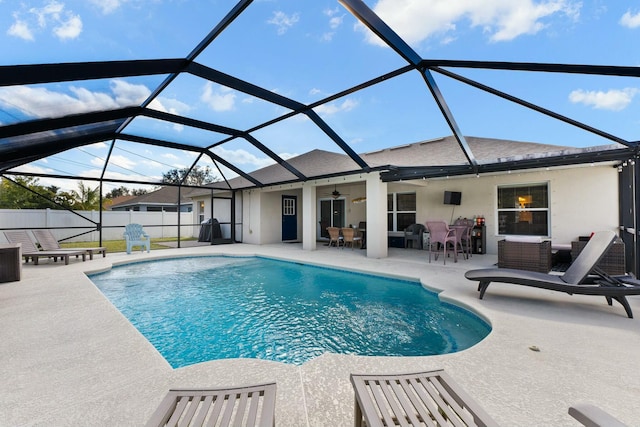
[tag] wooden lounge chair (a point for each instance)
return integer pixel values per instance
(592, 416)
(48, 242)
(30, 251)
(574, 280)
(421, 399)
(220, 407)
(134, 235)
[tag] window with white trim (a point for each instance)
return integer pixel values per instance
(201, 211)
(401, 210)
(524, 209)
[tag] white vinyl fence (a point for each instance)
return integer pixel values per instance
(156, 224)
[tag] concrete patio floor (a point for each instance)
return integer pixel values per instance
(69, 358)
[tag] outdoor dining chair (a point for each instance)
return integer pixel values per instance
(335, 238)
(350, 237)
(441, 236)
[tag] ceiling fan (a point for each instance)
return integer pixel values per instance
(335, 193)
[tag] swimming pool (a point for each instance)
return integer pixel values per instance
(216, 307)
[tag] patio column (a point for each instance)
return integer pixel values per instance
(309, 216)
(377, 246)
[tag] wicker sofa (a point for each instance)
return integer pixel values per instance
(525, 255)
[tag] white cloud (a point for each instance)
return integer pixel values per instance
(39, 102)
(50, 11)
(502, 20)
(336, 21)
(129, 94)
(327, 37)
(629, 20)
(21, 30)
(333, 108)
(107, 6)
(170, 105)
(613, 99)
(283, 21)
(64, 24)
(122, 161)
(97, 161)
(121, 176)
(223, 99)
(32, 168)
(69, 29)
(243, 157)
(98, 146)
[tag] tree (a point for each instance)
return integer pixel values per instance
(117, 192)
(27, 193)
(86, 198)
(124, 191)
(138, 191)
(197, 176)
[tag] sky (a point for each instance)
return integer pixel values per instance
(309, 50)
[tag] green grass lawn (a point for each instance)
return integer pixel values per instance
(120, 245)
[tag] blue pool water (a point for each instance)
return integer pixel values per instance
(204, 308)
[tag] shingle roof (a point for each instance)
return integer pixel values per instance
(164, 195)
(445, 151)
(436, 152)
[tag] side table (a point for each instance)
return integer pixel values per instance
(10, 265)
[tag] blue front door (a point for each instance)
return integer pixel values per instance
(289, 218)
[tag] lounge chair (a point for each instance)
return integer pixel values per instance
(134, 235)
(592, 416)
(48, 242)
(220, 407)
(427, 398)
(30, 250)
(574, 280)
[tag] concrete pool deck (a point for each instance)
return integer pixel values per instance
(69, 358)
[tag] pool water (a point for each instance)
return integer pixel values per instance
(205, 308)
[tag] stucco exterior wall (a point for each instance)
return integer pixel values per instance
(262, 215)
(582, 200)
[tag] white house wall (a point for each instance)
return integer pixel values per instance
(262, 216)
(582, 200)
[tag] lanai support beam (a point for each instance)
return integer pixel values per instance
(365, 15)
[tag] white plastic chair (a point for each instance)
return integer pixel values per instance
(134, 235)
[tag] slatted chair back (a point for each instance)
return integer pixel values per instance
(135, 235)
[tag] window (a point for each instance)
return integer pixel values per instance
(524, 209)
(288, 207)
(201, 212)
(401, 211)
